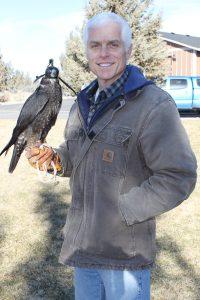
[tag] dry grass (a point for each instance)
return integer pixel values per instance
(32, 215)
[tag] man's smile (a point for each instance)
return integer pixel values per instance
(105, 65)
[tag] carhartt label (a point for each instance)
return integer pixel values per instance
(108, 155)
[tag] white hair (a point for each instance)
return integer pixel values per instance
(104, 18)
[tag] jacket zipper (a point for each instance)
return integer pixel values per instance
(122, 102)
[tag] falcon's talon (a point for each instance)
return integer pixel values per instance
(47, 177)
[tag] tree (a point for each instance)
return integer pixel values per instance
(74, 63)
(149, 51)
(4, 75)
(19, 81)
(12, 80)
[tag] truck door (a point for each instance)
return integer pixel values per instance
(181, 90)
(196, 91)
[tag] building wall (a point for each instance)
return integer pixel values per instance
(198, 63)
(182, 60)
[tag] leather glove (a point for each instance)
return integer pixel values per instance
(41, 156)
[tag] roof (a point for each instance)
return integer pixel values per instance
(189, 41)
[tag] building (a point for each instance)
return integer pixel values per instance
(184, 53)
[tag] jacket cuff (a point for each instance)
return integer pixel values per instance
(66, 168)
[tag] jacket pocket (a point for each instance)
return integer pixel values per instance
(75, 137)
(111, 239)
(111, 150)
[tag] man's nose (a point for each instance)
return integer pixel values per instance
(104, 52)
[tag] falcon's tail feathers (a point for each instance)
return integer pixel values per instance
(15, 157)
(6, 148)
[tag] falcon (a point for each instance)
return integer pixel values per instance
(37, 116)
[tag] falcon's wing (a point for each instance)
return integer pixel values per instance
(31, 108)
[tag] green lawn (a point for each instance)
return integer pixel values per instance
(32, 215)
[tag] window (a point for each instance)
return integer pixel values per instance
(198, 82)
(178, 83)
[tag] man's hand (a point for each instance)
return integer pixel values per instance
(40, 156)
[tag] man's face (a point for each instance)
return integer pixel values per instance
(106, 53)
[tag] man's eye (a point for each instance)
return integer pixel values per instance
(94, 46)
(114, 45)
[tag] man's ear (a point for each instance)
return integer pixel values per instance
(128, 52)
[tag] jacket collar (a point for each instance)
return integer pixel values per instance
(135, 81)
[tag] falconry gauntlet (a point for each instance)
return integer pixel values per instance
(44, 158)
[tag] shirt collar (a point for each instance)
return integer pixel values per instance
(109, 91)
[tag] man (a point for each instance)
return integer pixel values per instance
(129, 160)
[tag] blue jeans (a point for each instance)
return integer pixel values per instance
(99, 284)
